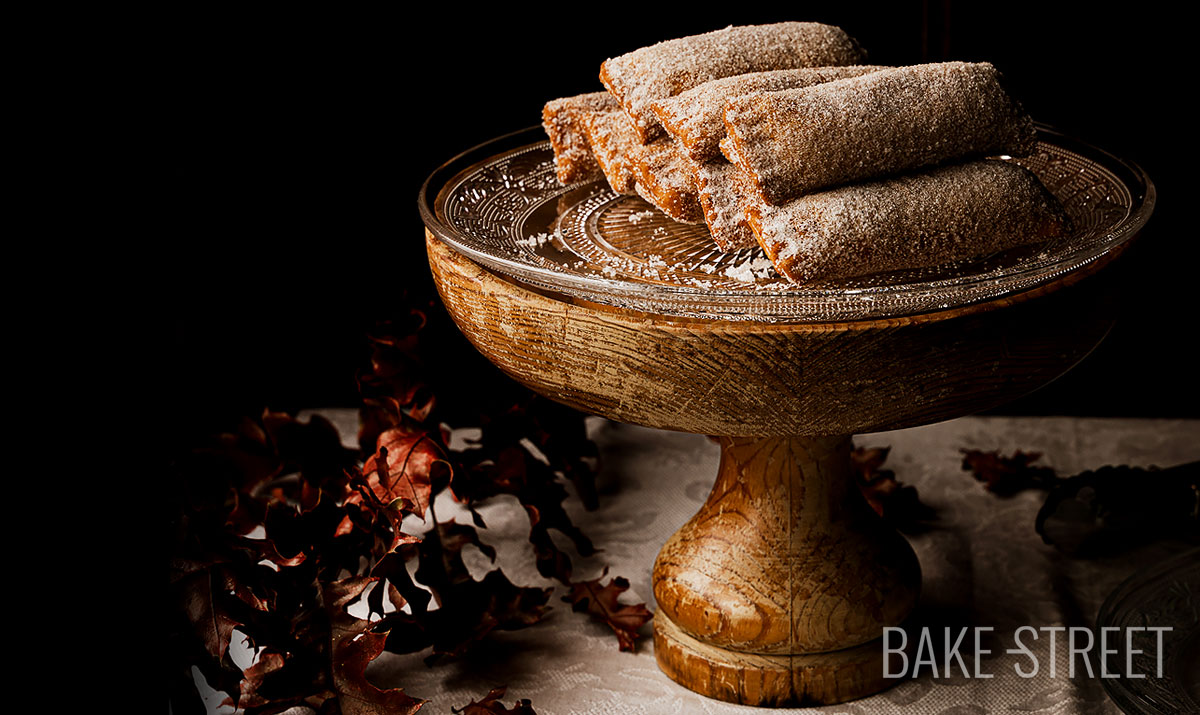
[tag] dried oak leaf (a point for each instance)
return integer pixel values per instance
(514, 470)
(266, 550)
(491, 705)
(234, 462)
(394, 388)
(207, 593)
(392, 568)
(468, 609)
(382, 519)
(1112, 509)
(313, 448)
(560, 434)
(601, 603)
(354, 646)
(256, 679)
(405, 465)
(890, 498)
(868, 460)
(455, 536)
(250, 452)
(551, 561)
(1008, 475)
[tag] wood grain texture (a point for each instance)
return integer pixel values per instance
(768, 680)
(776, 591)
(785, 556)
(753, 379)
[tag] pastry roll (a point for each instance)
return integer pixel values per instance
(565, 123)
(716, 181)
(696, 118)
(643, 76)
(666, 179)
(615, 145)
(917, 220)
(794, 142)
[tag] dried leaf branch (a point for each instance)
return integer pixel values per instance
(1099, 512)
(278, 530)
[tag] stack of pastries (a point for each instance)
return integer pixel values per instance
(781, 135)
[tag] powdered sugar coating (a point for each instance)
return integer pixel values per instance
(614, 145)
(696, 118)
(752, 269)
(722, 209)
(666, 179)
(643, 76)
(565, 123)
(916, 220)
(797, 141)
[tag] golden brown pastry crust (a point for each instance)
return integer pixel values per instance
(916, 220)
(565, 123)
(696, 118)
(615, 146)
(798, 141)
(666, 179)
(716, 182)
(663, 70)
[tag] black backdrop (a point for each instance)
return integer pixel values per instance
(297, 143)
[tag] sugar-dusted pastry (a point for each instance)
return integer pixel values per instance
(716, 181)
(564, 121)
(666, 179)
(798, 141)
(696, 118)
(915, 220)
(615, 146)
(643, 76)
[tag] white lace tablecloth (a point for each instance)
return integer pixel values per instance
(982, 562)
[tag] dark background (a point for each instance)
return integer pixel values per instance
(297, 143)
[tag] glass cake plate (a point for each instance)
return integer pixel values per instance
(501, 205)
(1165, 595)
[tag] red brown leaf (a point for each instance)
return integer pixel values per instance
(1008, 475)
(403, 467)
(601, 603)
(893, 500)
(266, 550)
(201, 601)
(354, 646)
(313, 448)
(249, 451)
(324, 517)
(393, 388)
(247, 514)
(270, 663)
(491, 705)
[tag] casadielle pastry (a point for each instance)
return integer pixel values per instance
(794, 142)
(835, 171)
(614, 144)
(592, 137)
(717, 183)
(666, 179)
(639, 78)
(920, 219)
(565, 122)
(696, 118)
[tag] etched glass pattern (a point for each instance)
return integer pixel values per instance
(1166, 595)
(501, 205)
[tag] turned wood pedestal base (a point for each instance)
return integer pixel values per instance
(777, 590)
(768, 680)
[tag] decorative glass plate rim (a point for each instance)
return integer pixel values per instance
(861, 303)
(1130, 594)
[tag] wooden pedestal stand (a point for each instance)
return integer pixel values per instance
(777, 591)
